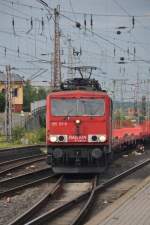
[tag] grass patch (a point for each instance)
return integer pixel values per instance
(5, 144)
(21, 137)
(36, 136)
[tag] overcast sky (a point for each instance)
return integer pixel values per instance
(24, 46)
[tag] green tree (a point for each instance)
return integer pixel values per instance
(31, 94)
(2, 102)
(27, 95)
(42, 93)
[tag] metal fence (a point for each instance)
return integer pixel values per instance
(18, 120)
(29, 120)
(35, 106)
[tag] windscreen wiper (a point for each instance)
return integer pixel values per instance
(68, 114)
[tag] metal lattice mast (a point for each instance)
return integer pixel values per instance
(137, 97)
(52, 69)
(8, 104)
(70, 59)
(57, 62)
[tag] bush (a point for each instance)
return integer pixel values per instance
(41, 135)
(20, 136)
(18, 133)
(35, 137)
(31, 137)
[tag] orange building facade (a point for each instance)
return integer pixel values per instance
(16, 90)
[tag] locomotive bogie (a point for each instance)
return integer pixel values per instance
(78, 159)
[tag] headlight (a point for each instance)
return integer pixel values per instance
(93, 138)
(61, 138)
(78, 121)
(53, 138)
(96, 138)
(102, 138)
(58, 138)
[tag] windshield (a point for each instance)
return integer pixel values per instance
(77, 107)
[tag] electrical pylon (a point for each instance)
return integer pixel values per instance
(57, 61)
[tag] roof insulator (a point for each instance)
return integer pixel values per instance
(13, 25)
(42, 23)
(80, 51)
(5, 50)
(91, 22)
(18, 51)
(13, 22)
(134, 50)
(122, 27)
(31, 23)
(85, 22)
(118, 32)
(121, 58)
(78, 25)
(133, 22)
(114, 52)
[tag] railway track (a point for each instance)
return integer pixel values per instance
(9, 166)
(18, 152)
(10, 162)
(80, 204)
(10, 186)
(64, 189)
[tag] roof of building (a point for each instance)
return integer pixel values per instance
(14, 77)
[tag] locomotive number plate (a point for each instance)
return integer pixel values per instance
(59, 124)
(74, 138)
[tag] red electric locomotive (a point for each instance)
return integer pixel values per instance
(79, 127)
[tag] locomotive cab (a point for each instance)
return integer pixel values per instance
(78, 131)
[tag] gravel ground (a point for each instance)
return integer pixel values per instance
(67, 192)
(68, 217)
(14, 206)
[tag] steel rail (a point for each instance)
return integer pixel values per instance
(22, 147)
(88, 204)
(36, 177)
(20, 159)
(26, 216)
(9, 153)
(41, 158)
(100, 188)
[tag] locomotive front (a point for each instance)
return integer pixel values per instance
(78, 131)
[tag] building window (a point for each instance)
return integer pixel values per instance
(15, 92)
(3, 90)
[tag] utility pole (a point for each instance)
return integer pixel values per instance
(114, 90)
(137, 97)
(70, 59)
(118, 85)
(8, 104)
(148, 100)
(57, 61)
(52, 69)
(114, 99)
